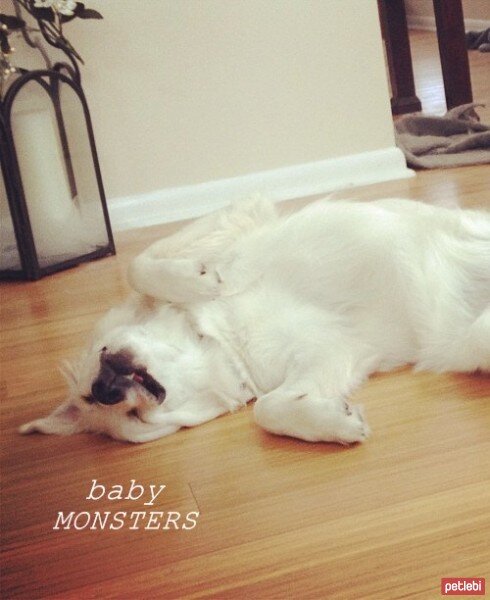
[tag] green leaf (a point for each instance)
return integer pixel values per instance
(67, 18)
(81, 12)
(86, 13)
(90, 13)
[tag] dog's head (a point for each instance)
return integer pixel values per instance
(116, 386)
(119, 376)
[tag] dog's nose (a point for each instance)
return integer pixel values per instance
(108, 392)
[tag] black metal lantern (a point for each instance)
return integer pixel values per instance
(53, 207)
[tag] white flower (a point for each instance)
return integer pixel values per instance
(43, 3)
(64, 7)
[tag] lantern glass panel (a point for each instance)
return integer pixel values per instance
(83, 169)
(9, 255)
(60, 228)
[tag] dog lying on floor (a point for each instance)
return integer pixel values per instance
(293, 312)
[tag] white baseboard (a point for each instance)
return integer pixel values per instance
(428, 23)
(298, 181)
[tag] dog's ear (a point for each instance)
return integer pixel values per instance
(65, 420)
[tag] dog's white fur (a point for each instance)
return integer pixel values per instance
(295, 312)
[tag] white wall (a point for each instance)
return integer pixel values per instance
(190, 91)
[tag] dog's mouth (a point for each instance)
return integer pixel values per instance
(118, 373)
(151, 385)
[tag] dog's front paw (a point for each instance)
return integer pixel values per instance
(352, 426)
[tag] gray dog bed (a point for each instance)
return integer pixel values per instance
(478, 40)
(454, 140)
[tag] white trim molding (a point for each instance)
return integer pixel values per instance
(428, 23)
(298, 181)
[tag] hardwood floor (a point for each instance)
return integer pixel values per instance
(279, 518)
(428, 75)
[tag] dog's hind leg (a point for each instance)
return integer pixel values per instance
(184, 267)
(213, 233)
(178, 280)
(471, 351)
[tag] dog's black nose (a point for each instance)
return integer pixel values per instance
(108, 392)
(110, 386)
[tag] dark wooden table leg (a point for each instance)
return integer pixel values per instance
(395, 31)
(453, 52)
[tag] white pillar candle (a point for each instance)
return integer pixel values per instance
(56, 224)
(42, 167)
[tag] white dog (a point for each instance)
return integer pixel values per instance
(294, 312)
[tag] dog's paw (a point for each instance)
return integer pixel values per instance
(209, 280)
(352, 426)
(177, 280)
